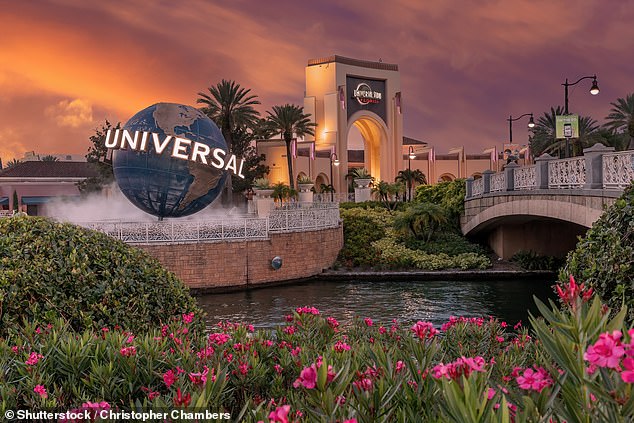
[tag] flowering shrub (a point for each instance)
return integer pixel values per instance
(577, 366)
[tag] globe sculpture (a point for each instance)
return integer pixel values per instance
(160, 184)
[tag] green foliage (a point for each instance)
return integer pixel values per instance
(303, 179)
(370, 205)
(50, 270)
(393, 255)
(49, 158)
(420, 220)
(449, 195)
(444, 242)
(530, 260)
(604, 258)
(388, 193)
(361, 227)
(96, 155)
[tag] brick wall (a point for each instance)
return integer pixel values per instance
(217, 265)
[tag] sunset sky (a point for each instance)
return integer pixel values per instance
(67, 65)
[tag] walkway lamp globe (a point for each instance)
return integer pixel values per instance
(511, 119)
(334, 160)
(595, 87)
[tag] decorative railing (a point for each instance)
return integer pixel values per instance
(280, 220)
(567, 173)
(524, 178)
(478, 186)
(618, 169)
(498, 182)
(325, 197)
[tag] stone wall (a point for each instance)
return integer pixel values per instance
(242, 264)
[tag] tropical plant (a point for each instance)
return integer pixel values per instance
(289, 120)
(621, 117)
(388, 193)
(360, 173)
(49, 158)
(543, 139)
(420, 220)
(96, 155)
(261, 183)
(411, 177)
(282, 192)
(12, 163)
(604, 257)
(303, 179)
(52, 270)
(244, 147)
(450, 195)
(231, 107)
(360, 228)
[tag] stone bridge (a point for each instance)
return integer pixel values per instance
(547, 206)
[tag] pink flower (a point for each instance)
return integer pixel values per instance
(307, 310)
(572, 291)
(368, 321)
(128, 351)
(353, 420)
(15, 349)
(169, 378)
(363, 384)
(130, 339)
(332, 322)
(153, 395)
(278, 369)
(628, 374)
(41, 391)
(219, 338)
(188, 318)
(341, 346)
(424, 330)
(399, 366)
(607, 351)
(280, 414)
(290, 329)
(33, 359)
(490, 394)
(307, 378)
(462, 366)
(535, 380)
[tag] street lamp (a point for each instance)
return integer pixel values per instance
(531, 124)
(594, 90)
(333, 160)
(411, 156)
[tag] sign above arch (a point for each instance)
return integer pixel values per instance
(366, 94)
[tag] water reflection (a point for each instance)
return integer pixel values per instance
(382, 301)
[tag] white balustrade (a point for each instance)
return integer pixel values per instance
(618, 169)
(524, 178)
(478, 187)
(295, 218)
(567, 173)
(498, 182)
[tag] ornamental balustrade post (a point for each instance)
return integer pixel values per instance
(594, 165)
(469, 193)
(509, 175)
(486, 181)
(541, 170)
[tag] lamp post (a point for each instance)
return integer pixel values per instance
(594, 90)
(531, 123)
(411, 156)
(333, 160)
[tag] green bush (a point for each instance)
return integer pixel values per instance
(361, 227)
(604, 258)
(449, 195)
(530, 260)
(51, 270)
(445, 242)
(368, 205)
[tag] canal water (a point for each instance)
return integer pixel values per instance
(407, 302)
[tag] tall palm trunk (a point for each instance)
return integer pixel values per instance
(289, 159)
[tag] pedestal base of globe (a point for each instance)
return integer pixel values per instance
(362, 194)
(306, 197)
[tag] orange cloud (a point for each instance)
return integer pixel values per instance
(73, 113)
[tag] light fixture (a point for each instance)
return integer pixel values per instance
(594, 90)
(531, 122)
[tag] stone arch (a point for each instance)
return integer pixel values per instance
(321, 179)
(377, 153)
(476, 175)
(446, 177)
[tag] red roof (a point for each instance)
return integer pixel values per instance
(37, 169)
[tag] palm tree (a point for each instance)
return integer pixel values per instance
(287, 120)
(12, 163)
(49, 158)
(421, 220)
(409, 177)
(544, 138)
(621, 117)
(231, 107)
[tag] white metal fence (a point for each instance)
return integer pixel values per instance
(618, 169)
(280, 220)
